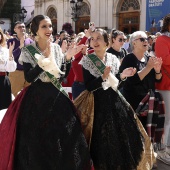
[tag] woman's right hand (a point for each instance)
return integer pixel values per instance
(128, 72)
(151, 63)
(106, 73)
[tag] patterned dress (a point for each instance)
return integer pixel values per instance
(49, 134)
(116, 142)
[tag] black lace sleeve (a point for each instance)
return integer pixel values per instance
(92, 83)
(31, 73)
(65, 68)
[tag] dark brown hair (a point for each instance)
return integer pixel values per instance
(166, 23)
(114, 34)
(104, 34)
(36, 22)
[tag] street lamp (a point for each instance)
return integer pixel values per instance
(20, 15)
(23, 14)
(75, 6)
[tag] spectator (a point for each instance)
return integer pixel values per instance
(116, 41)
(63, 34)
(17, 79)
(78, 84)
(135, 88)
(162, 50)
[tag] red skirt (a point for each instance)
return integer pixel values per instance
(8, 132)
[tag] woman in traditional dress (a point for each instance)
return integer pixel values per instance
(48, 132)
(7, 64)
(116, 141)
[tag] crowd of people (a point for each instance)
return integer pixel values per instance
(124, 79)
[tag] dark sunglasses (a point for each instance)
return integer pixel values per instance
(120, 40)
(19, 27)
(142, 39)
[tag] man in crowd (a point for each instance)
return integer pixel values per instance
(17, 79)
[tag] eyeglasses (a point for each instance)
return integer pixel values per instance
(121, 40)
(142, 39)
(21, 26)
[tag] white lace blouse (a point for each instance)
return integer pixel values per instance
(6, 65)
(56, 52)
(111, 60)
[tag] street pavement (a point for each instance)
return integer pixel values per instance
(160, 165)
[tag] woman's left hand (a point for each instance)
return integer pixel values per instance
(73, 51)
(157, 64)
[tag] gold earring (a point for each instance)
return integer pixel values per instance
(37, 37)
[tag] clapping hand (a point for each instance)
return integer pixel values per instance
(106, 73)
(158, 64)
(128, 72)
(11, 48)
(151, 62)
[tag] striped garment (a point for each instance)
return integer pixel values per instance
(152, 106)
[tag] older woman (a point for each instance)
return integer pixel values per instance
(148, 71)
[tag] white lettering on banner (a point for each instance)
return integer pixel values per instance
(154, 3)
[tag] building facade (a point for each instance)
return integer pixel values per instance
(125, 15)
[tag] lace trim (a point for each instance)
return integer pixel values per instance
(166, 34)
(112, 61)
(57, 53)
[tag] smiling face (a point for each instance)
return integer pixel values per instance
(97, 41)
(45, 30)
(20, 29)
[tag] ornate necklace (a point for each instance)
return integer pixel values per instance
(42, 52)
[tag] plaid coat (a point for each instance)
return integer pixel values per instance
(152, 106)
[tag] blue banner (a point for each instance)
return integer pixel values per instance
(156, 10)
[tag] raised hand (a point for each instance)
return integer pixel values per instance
(73, 51)
(11, 48)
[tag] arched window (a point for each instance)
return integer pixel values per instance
(52, 13)
(128, 5)
(84, 11)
